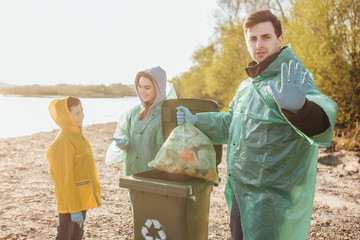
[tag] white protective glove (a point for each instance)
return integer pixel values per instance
(183, 113)
(292, 94)
(78, 218)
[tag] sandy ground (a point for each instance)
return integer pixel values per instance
(28, 211)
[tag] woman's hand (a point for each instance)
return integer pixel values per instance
(120, 143)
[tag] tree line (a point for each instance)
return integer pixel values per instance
(95, 91)
(324, 34)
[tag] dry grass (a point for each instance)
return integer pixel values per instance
(347, 139)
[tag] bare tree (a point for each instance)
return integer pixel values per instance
(232, 10)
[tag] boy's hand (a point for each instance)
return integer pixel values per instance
(78, 218)
(120, 143)
(292, 94)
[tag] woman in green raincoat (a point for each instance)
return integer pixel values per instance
(138, 134)
(272, 137)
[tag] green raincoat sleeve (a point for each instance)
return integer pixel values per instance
(271, 165)
(144, 141)
(122, 130)
(216, 124)
(330, 107)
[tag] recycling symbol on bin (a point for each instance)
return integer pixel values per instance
(152, 230)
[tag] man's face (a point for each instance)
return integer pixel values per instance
(261, 41)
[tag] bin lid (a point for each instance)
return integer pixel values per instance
(195, 105)
(157, 182)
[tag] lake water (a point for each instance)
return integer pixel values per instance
(21, 116)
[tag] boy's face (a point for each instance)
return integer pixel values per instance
(77, 114)
(261, 41)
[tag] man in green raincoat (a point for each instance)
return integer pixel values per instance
(275, 124)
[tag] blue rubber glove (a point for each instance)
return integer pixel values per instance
(292, 94)
(120, 143)
(183, 113)
(78, 218)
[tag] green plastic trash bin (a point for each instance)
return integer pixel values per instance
(171, 206)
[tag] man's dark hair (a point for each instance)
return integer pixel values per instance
(263, 16)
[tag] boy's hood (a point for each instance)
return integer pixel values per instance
(60, 113)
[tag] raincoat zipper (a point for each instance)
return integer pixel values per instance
(92, 171)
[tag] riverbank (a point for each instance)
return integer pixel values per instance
(28, 211)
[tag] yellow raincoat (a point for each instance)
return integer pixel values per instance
(71, 164)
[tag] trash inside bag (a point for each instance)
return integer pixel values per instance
(187, 151)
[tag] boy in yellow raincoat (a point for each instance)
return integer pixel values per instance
(72, 169)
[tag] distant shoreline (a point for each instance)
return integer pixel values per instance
(85, 91)
(94, 125)
(26, 116)
(58, 96)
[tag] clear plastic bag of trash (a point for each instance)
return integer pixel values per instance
(187, 151)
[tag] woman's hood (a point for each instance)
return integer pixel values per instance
(60, 113)
(158, 76)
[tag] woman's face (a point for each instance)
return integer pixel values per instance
(147, 90)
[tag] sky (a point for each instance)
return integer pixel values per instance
(92, 42)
